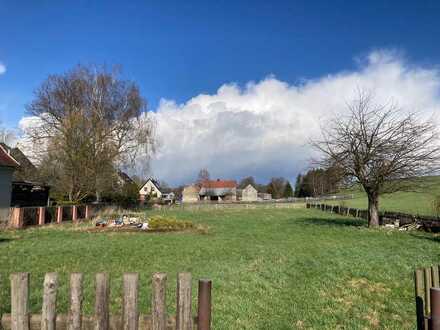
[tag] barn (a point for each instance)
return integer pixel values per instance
(218, 190)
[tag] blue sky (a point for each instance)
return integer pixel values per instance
(180, 49)
(190, 52)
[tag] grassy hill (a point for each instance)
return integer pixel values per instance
(419, 200)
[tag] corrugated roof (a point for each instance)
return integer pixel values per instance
(6, 159)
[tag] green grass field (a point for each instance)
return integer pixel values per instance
(271, 268)
(417, 201)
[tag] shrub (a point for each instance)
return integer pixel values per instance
(168, 224)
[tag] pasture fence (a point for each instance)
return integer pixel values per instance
(20, 317)
(385, 217)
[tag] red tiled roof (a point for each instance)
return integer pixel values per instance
(219, 184)
(6, 159)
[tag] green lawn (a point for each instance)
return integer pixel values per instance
(417, 201)
(271, 269)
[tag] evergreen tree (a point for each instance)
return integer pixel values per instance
(288, 191)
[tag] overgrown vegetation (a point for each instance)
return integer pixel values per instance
(271, 268)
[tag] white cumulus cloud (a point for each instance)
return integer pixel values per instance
(263, 128)
(2, 68)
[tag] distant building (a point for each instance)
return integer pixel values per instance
(25, 193)
(7, 166)
(264, 196)
(249, 194)
(190, 194)
(218, 190)
(150, 189)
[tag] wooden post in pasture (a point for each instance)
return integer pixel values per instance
(434, 323)
(49, 309)
(87, 212)
(59, 214)
(16, 219)
(158, 302)
(101, 301)
(19, 301)
(130, 309)
(76, 298)
(204, 307)
(183, 308)
(41, 216)
(74, 213)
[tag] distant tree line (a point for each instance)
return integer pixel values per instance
(318, 182)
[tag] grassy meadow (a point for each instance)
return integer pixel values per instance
(418, 200)
(271, 268)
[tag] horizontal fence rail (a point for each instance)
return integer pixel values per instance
(130, 319)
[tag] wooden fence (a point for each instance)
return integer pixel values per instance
(21, 319)
(386, 217)
(21, 217)
(427, 294)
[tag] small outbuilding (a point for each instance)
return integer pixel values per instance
(7, 166)
(249, 194)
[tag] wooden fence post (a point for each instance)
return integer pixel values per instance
(41, 216)
(59, 214)
(101, 301)
(428, 286)
(87, 212)
(130, 310)
(158, 302)
(16, 219)
(76, 298)
(20, 301)
(420, 296)
(204, 307)
(183, 309)
(435, 309)
(49, 309)
(74, 213)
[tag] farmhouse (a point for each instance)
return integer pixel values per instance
(7, 166)
(218, 190)
(190, 194)
(249, 194)
(151, 189)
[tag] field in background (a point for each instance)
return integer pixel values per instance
(271, 269)
(417, 201)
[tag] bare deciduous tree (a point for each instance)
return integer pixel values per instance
(381, 147)
(203, 175)
(90, 121)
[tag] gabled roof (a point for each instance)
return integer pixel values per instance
(154, 182)
(6, 160)
(209, 184)
(125, 177)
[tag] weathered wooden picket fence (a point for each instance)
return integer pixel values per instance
(21, 319)
(427, 291)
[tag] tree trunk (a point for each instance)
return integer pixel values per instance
(373, 210)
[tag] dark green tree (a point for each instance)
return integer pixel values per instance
(288, 191)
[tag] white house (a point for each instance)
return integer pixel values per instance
(7, 167)
(150, 188)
